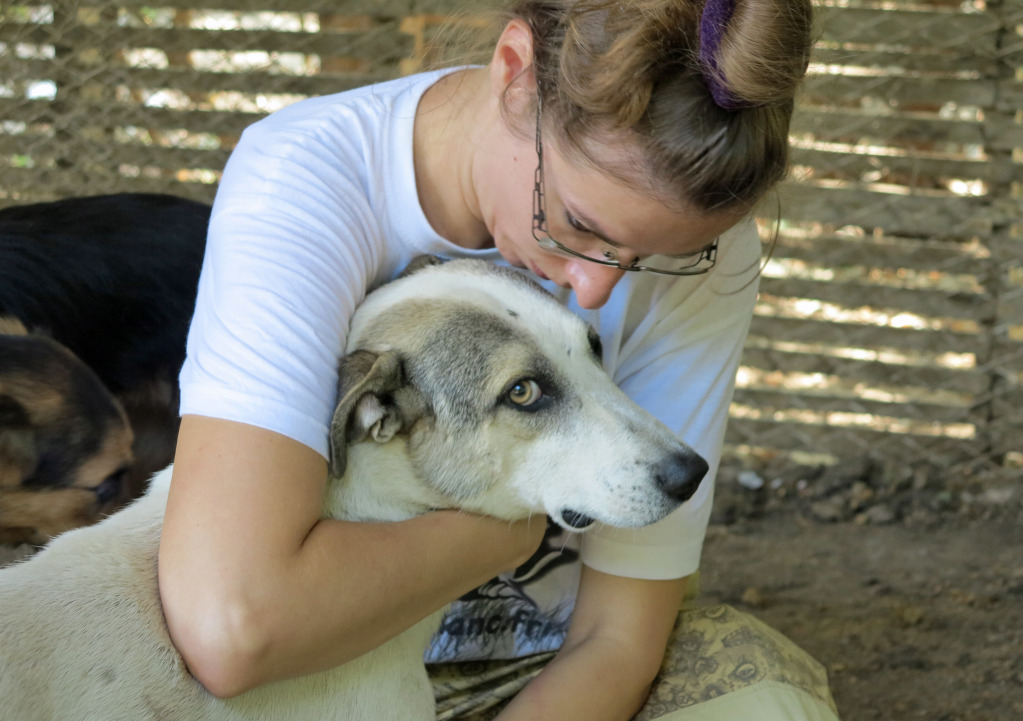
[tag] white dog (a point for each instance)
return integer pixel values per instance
(464, 386)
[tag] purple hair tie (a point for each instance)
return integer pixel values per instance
(713, 21)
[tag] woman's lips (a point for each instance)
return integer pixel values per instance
(536, 271)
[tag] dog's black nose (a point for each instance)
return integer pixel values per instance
(679, 475)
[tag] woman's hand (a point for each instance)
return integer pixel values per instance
(256, 587)
(614, 649)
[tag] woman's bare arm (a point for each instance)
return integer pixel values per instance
(256, 587)
(615, 646)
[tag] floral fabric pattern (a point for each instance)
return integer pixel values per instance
(712, 652)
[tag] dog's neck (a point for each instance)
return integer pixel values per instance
(379, 484)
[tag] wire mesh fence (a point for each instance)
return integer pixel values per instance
(890, 323)
(891, 314)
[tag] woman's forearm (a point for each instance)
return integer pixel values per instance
(256, 588)
(591, 682)
(615, 646)
(350, 588)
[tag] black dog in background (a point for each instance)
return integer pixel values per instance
(113, 280)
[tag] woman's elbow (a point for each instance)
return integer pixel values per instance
(219, 641)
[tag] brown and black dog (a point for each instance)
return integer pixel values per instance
(65, 442)
(109, 282)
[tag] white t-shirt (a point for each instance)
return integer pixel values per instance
(318, 204)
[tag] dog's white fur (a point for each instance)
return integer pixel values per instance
(425, 421)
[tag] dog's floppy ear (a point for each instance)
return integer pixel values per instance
(374, 401)
(420, 262)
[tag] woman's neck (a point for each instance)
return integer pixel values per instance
(447, 126)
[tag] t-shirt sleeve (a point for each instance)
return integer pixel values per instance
(680, 363)
(291, 246)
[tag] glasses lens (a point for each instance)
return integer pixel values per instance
(688, 265)
(552, 246)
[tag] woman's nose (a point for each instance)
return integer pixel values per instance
(592, 282)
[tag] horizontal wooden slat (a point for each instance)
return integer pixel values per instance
(894, 213)
(908, 165)
(376, 45)
(194, 81)
(846, 442)
(379, 8)
(793, 400)
(111, 155)
(934, 92)
(850, 335)
(64, 183)
(916, 28)
(217, 122)
(173, 159)
(926, 303)
(996, 132)
(881, 253)
(889, 61)
(971, 382)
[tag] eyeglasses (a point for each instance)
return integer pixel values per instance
(692, 264)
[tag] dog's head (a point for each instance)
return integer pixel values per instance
(499, 394)
(65, 443)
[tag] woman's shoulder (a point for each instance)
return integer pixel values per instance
(387, 100)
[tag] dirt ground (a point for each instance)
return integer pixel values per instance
(913, 602)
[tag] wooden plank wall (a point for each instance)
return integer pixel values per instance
(152, 96)
(891, 320)
(891, 316)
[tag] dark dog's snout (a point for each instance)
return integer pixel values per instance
(679, 475)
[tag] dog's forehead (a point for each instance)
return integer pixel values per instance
(488, 288)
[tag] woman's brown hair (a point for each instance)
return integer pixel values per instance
(708, 108)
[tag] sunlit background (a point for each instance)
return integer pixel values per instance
(890, 321)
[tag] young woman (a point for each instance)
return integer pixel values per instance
(613, 150)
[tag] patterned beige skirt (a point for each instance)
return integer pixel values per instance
(721, 665)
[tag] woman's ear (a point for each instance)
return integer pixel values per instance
(511, 67)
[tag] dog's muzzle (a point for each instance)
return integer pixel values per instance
(679, 475)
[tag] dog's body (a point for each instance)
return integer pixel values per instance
(82, 636)
(113, 280)
(464, 386)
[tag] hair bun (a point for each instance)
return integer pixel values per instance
(750, 50)
(713, 23)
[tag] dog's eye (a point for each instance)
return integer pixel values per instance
(111, 486)
(525, 392)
